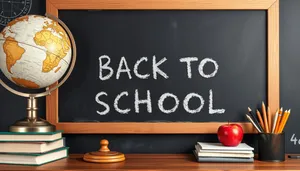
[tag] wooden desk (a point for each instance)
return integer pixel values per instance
(152, 162)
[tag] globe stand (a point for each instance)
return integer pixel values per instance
(32, 123)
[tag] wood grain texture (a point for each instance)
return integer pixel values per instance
(146, 127)
(163, 4)
(52, 106)
(185, 128)
(172, 162)
(51, 9)
(273, 58)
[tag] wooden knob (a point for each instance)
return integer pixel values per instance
(104, 155)
(104, 146)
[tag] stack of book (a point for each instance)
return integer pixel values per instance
(216, 152)
(31, 148)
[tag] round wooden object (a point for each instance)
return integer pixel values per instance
(104, 155)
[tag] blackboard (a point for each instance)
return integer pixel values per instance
(234, 40)
(138, 67)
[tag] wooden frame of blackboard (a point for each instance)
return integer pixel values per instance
(272, 7)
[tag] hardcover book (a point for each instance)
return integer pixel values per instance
(30, 136)
(34, 159)
(220, 153)
(222, 159)
(31, 147)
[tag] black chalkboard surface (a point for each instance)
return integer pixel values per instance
(225, 50)
(289, 90)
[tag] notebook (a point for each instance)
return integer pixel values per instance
(219, 146)
(222, 159)
(199, 150)
(236, 154)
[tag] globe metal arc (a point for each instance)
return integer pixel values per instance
(32, 123)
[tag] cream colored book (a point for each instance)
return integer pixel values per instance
(222, 159)
(219, 146)
(225, 154)
(198, 149)
(31, 147)
(33, 159)
(234, 155)
(30, 136)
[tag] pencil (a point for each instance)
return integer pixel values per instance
(260, 120)
(282, 121)
(265, 117)
(269, 118)
(285, 120)
(249, 118)
(275, 121)
(278, 119)
(255, 119)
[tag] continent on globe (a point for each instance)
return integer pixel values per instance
(25, 83)
(13, 52)
(57, 48)
(10, 44)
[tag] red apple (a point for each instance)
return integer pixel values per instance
(230, 134)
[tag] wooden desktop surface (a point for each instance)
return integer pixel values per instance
(152, 162)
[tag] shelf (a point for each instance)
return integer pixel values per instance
(152, 162)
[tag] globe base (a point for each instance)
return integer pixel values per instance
(29, 125)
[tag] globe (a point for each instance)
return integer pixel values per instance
(35, 51)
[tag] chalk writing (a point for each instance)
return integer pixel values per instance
(157, 70)
(161, 101)
(294, 140)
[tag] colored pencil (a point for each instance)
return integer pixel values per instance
(278, 119)
(255, 119)
(249, 118)
(260, 120)
(282, 121)
(265, 117)
(285, 120)
(275, 121)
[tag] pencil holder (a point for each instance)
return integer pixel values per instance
(271, 147)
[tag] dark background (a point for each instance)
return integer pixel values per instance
(13, 107)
